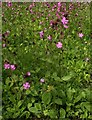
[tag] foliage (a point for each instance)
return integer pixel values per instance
(65, 92)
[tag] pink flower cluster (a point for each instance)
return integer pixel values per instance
(9, 4)
(41, 34)
(59, 45)
(26, 85)
(49, 37)
(42, 80)
(81, 35)
(9, 66)
(64, 21)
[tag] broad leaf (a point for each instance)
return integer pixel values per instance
(58, 101)
(62, 113)
(46, 98)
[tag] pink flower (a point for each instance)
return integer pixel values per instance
(7, 33)
(81, 35)
(41, 34)
(58, 15)
(41, 23)
(53, 9)
(64, 21)
(12, 67)
(62, 13)
(87, 59)
(59, 4)
(0, 36)
(31, 11)
(28, 73)
(26, 85)
(51, 22)
(49, 37)
(58, 9)
(65, 26)
(49, 15)
(59, 45)
(42, 80)
(7, 66)
(9, 4)
(4, 45)
(30, 6)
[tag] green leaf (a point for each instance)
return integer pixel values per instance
(62, 113)
(56, 78)
(38, 106)
(47, 74)
(12, 98)
(16, 114)
(46, 98)
(58, 101)
(19, 103)
(37, 70)
(7, 81)
(54, 75)
(78, 98)
(34, 110)
(29, 105)
(28, 92)
(87, 105)
(45, 112)
(52, 113)
(66, 78)
(25, 113)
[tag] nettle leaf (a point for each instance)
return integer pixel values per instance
(62, 113)
(58, 101)
(46, 98)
